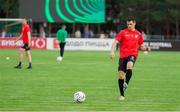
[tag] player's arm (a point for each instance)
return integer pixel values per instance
(29, 38)
(141, 45)
(143, 48)
(113, 49)
(19, 37)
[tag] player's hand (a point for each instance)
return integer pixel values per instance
(57, 42)
(112, 55)
(148, 49)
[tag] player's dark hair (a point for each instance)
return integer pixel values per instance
(131, 18)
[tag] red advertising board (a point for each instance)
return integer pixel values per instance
(10, 43)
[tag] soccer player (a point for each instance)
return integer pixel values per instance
(26, 37)
(130, 41)
(61, 39)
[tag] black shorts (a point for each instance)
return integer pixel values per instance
(61, 45)
(26, 47)
(123, 62)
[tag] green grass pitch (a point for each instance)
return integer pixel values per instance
(155, 85)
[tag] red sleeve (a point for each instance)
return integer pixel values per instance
(140, 41)
(119, 36)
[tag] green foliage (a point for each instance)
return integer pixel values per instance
(10, 8)
(150, 12)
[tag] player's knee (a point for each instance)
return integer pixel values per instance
(121, 75)
(129, 65)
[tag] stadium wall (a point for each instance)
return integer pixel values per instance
(85, 44)
(11, 43)
(163, 45)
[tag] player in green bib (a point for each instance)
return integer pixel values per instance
(61, 36)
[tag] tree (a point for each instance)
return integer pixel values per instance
(9, 8)
(174, 12)
(153, 14)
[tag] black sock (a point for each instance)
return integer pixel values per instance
(30, 65)
(19, 64)
(121, 82)
(61, 52)
(62, 45)
(128, 75)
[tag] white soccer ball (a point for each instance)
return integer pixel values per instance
(59, 58)
(79, 97)
(7, 58)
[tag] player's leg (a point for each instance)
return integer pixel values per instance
(130, 64)
(122, 71)
(21, 51)
(121, 82)
(129, 71)
(128, 74)
(60, 48)
(62, 45)
(28, 54)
